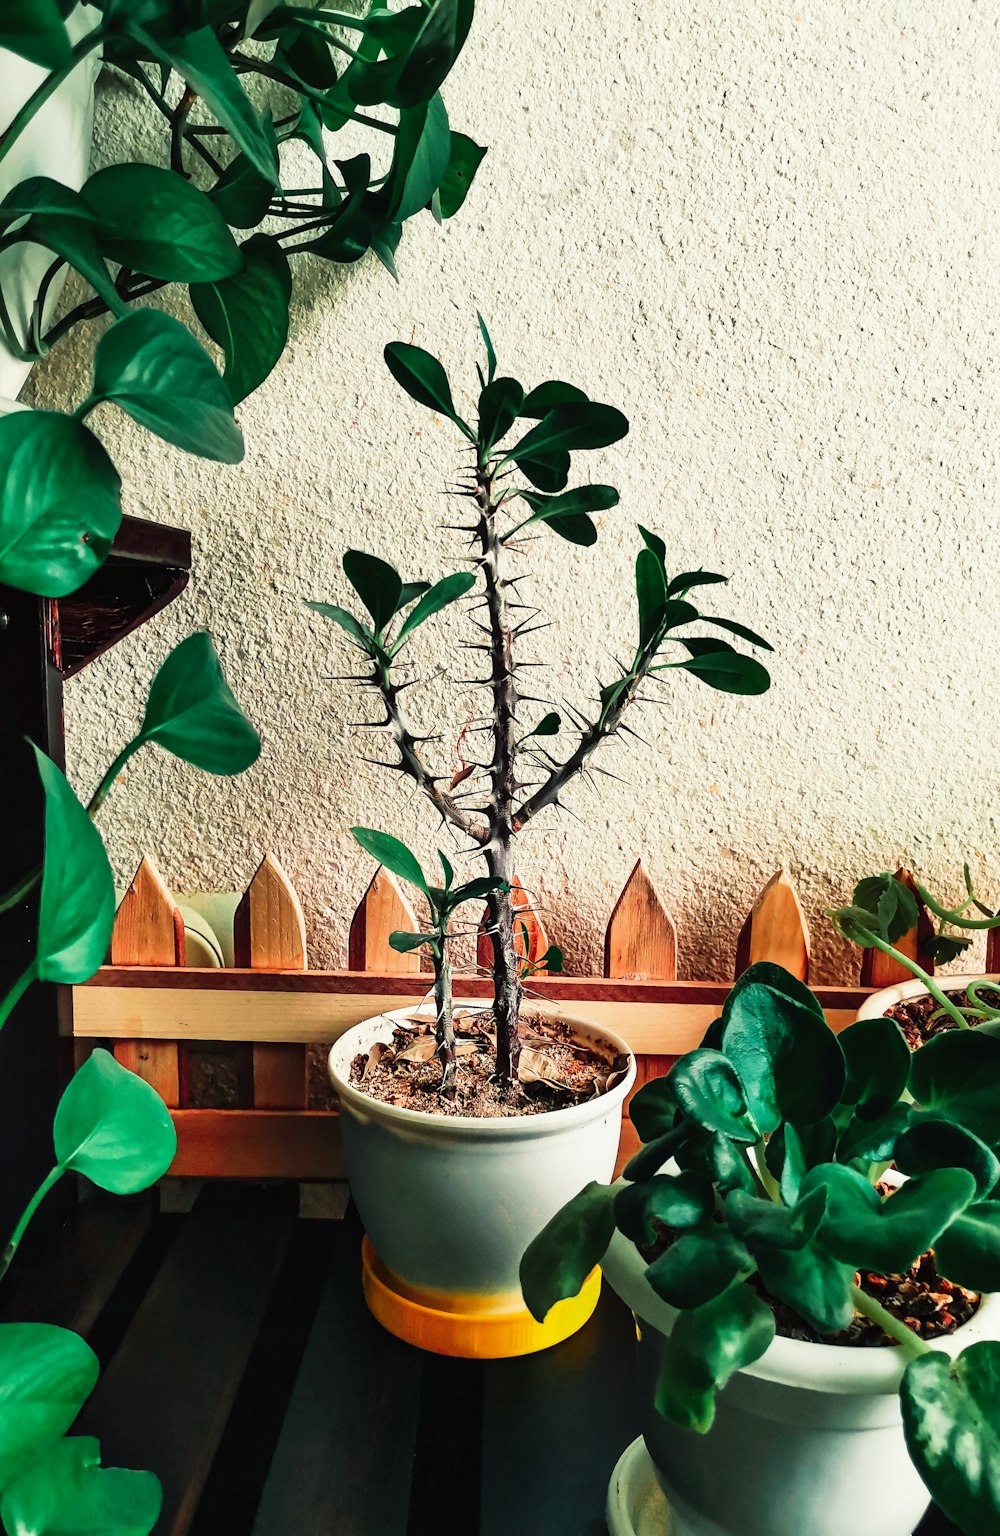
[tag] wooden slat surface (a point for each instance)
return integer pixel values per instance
(269, 932)
(165, 1398)
(344, 1461)
(258, 1144)
(149, 930)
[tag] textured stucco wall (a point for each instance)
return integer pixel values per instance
(768, 232)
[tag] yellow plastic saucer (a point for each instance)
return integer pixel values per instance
(470, 1327)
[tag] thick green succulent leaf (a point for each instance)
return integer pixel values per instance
(60, 502)
(557, 1262)
(499, 405)
(956, 1075)
(203, 64)
(678, 1200)
(889, 1233)
(651, 1158)
(443, 592)
(377, 583)
(815, 1285)
(538, 402)
(873, 1141)
(424, 380)
(651, 594)
(422, 151)
(347, 622)
(760, 1223)
(247, 314)
(568, 428)
(928, 1143)
(392, 853)
(708, 1089)
(192, 713)
(46, 1376)
(77, 907)
(705, 1347)
(155, 221)
(35, 30)
(653, 1109)
(721, 1160)
(698, 1265)
(787, 1057)
(66, 1492)
(464, 159)
(892, 905)
(968, 1251)
(793, 1149)
(112, 1127)
(953, 1433)
(878, 1065)
(151, 366)
(727, 670)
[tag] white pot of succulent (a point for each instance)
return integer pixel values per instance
(56, 143)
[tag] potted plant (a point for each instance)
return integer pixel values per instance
(215, 217)
(450, 1185)
(767, 1264)
(883, 909)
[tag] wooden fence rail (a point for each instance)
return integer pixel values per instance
(259, 1025)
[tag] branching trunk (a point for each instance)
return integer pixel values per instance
(499, 848)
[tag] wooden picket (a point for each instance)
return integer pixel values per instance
(274, 1012)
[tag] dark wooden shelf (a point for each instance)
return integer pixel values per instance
(148, 566)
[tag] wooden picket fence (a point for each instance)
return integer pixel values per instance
(270, 1013)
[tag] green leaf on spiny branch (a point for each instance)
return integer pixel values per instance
(393, 854)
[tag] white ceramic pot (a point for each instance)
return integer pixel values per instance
(875, 1007)
(451, 1203)
(57, 144)
(807, 1441)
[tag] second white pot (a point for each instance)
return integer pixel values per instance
(451, 1203)
(807, 1441)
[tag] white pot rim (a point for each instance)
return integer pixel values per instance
(507, 1127)
(831, 1368)
(874, 1007)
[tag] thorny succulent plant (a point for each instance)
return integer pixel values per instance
(513, 490)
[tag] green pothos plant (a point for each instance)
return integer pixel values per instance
(141, 227)
(883, 909)
(110, 1126)
(514, 484)
(762, 1154)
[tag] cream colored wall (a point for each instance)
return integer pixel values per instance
(769, 233)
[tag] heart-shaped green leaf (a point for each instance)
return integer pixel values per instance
(892, 905)
(968, 1251)
(653, 1109)
(759, 1223)
(787, 1057)
(708, 1089)
(651, 1157)
(247, 314)
(112, 1127)
(464, 159)
(443, 592)
(422, 150)
(677, 1200)
(706, 1346)
(377, 583)
(157, 222)
(66, 1492)
(878, 1065)
(953, 1434)
(35, 30)
(77, 906)
(424, 380)
(192, 713)
(698, 1265)
(392, 853)
(956, 1075)
(930, 1143)
(887, 1233)
(60, 502)
(151, 366)
(557, 1262)
(793, 1149)
(60, 219)
(46, 1376)
(810, 1281)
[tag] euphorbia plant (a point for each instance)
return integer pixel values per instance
(883, 909)
(443, 901)
(763, 1153)
(514, 483)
